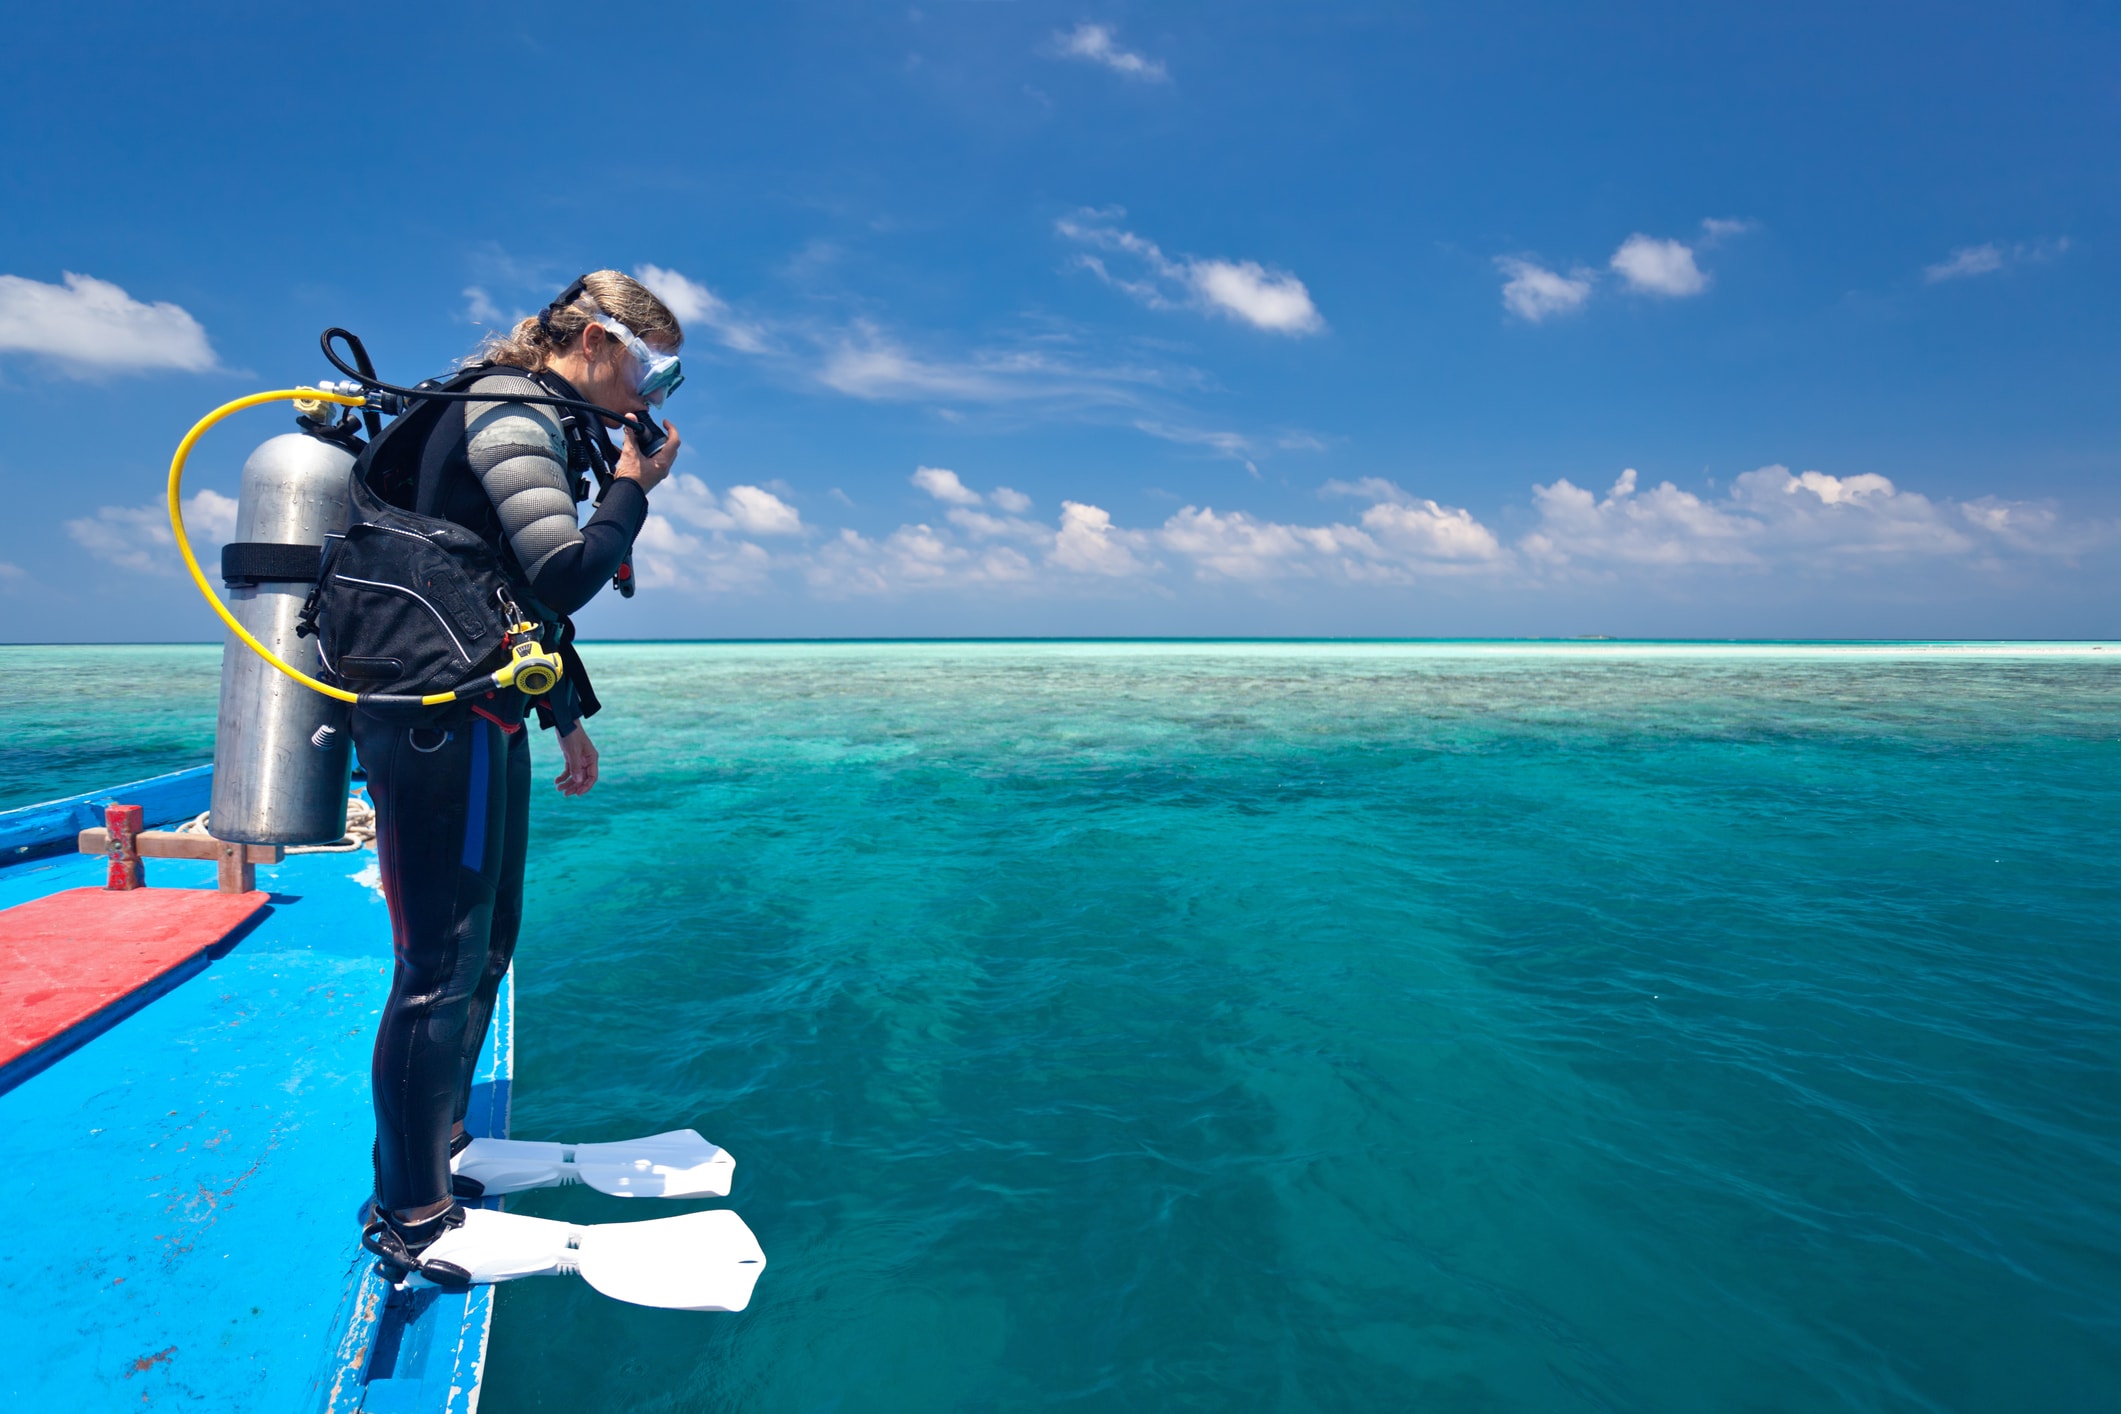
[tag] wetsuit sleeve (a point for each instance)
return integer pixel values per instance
(519, 455)
(559, 709)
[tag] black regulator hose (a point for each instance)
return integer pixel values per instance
(646, 435)
(370, 418)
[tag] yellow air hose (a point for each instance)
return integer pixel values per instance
(538, 671)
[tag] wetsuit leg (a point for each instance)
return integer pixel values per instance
(441, 801)
(507, 912)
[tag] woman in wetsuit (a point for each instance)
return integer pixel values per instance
(452, 787)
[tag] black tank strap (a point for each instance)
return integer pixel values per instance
(265, 562)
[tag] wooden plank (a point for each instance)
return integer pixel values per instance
(168, 844)
(237, 875)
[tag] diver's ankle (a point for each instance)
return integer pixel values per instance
(416, 1217)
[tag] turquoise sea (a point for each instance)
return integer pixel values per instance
(1316, 1026)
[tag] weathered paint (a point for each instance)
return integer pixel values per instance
(124, 869)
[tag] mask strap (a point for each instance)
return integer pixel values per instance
(567, 297)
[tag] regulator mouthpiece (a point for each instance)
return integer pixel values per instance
(646, 435)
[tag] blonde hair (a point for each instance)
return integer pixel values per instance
(532, 345)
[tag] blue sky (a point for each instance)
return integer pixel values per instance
(1214, 318)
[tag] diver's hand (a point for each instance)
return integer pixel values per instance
(581, 762)
(649, 471)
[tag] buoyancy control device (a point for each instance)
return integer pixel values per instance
(305, 522)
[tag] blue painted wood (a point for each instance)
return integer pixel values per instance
(193, 1248)
(54, 824)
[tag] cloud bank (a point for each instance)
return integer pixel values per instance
(1769, 527)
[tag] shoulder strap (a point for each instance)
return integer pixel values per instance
(389, 467)
(588, 450)
(393, 461)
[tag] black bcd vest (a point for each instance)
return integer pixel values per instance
(409, 604)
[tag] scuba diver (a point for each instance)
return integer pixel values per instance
(451, 783)
(443, 556)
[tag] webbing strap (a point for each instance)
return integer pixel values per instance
(265, 562)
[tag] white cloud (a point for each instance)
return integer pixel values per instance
(1263, 298)
(944, 486)
(1991, 256)
(1014, 501)
(1967, 260)
(687, 500)
(864, 362)
(90, 326)
(871, 366)
(694, 539)
(1096, 44)
(1368, 488)
(479, 308)
(1090, 543)
(669, 558)
(760, 512)
(1535, 293)
(1428, 531)
(1717, 229)
(1659, 267)
(1245, 290)
(698, 307)
(10, 570)
(139, 537)
(1234, 445)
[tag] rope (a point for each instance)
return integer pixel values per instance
(360, 830)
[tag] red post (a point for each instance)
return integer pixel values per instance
(126, 870)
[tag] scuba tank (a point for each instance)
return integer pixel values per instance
(282, 753)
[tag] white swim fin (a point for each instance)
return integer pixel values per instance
(698, 1262)
(679, 1164)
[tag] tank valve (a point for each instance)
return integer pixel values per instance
(315, 409)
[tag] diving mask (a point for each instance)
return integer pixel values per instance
(661, 373)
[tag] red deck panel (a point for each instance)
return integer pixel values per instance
(68, 956)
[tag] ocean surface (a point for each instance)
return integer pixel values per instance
(1329, 1026)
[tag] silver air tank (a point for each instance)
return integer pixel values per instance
(282, 752)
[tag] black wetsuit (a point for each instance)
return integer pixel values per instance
(452, 788)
